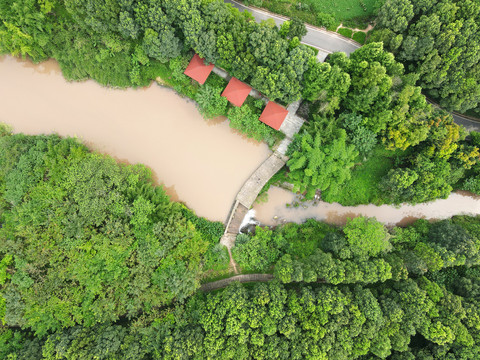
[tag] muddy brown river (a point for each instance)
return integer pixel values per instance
(275, 211)
(203, 164)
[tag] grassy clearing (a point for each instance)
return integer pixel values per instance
(362, 188)
(327, 13)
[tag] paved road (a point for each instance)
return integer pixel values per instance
(470, 125)
(327, 42)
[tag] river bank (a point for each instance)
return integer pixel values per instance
(201, 163)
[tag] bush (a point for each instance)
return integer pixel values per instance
(345, 32)
(326, 20)
(210, 102)
(359, 37)
(475, 136)
(245, 119)
(259, 252)
(472, 184)
(216, 258)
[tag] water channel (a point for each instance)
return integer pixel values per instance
(204, 164)
(275, 210)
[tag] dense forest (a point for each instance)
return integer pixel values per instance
(85, 240)
(437, 40)
(373, 138)
(97, 263)
(123, 43)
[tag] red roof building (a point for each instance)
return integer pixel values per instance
(197, 69)
(236, 91)
(273, 115)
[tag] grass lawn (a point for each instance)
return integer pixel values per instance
(362, 188)
(342, 9)
(352, 13)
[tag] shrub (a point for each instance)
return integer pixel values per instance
(210, 102)
(345, 32)
(326, 20)
(359, 37)
(472, 184)
(245, 119)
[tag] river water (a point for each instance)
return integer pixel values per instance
(203, 164)
(275, 211)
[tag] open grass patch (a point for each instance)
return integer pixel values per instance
(362, 188)
(324, 13)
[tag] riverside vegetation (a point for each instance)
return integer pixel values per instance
(98, 263)
(371, 136)
(438, 41)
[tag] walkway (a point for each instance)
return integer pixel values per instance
(328, 42)
(240, 278)
(255, 183)
(225, 75)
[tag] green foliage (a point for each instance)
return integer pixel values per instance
(258, 252)
(316, 165)
(366, 236)
(272, 320)
(245, 119)
(85, 240)
(433, 166)
(210, 101)
(361, 137)
(359, 37)
(293, 28)
(438, 41)
(345, 32)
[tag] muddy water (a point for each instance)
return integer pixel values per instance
(275, 211)
(202, 164)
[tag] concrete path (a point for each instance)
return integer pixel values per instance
(254, 184)
(470, 125)
(250, 190)
(240, 278)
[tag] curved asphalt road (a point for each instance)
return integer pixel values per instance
(328, 42)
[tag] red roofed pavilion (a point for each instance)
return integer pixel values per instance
(197, 69)
(236, 91)
(273, 115)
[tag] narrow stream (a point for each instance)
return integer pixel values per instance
(275, 211)
(203, 164)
